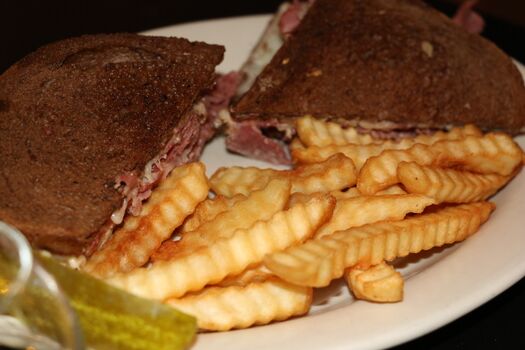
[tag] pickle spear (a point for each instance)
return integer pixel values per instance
(114, 319)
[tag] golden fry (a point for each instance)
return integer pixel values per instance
(320, 133)
(316, 132)
(363, 210)
(300, 197)
(224, 308)
(227, 256)
(229, 181)
(258, 206)
(335, 173)
(208, 210)
(318, 261)
(258, 273)
(352, 192)
(380, 283)
(494, 153)
(171, 202)
(448, 185)
(395, 189)
(358, 153)
(380, 172)
(456, 133)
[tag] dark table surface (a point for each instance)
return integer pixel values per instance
(25, 25)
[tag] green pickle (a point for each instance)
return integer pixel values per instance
(114, 319)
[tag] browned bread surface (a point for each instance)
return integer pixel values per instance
(76, 114)
(388, 60)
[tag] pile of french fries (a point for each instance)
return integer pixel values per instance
(253, 250)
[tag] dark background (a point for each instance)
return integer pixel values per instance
(25, 25)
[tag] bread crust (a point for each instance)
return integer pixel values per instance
(76, 114)
(388, 64)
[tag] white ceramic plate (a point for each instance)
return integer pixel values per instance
(441, 285)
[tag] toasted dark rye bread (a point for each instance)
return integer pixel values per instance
(76, 114)
(398, 61)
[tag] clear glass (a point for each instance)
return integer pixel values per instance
(34, 313)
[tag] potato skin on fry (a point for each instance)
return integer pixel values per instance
(227, 256)
(224, 308)
(319, 261)
(449, 185)
(172, 201)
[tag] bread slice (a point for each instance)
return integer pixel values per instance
(387, 64)
(78, 114)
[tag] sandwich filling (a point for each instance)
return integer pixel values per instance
(197, 127)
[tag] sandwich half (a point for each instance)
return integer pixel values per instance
(89, 126)
(383, 66)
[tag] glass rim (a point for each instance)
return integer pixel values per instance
(75, 337)
(25, 259)
(30, 268)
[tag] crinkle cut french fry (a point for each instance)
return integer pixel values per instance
(320, 133)
(316, 132)
(335, 173)
(229, 181)
(456, 133)
(171, 202)
(380, 283)
(221, 309)
(395, 189)
(449, 185)
(494, 153)
(364, 210)
(167, 251)
(208, 210)
(380, 172)
(299, 197)
(259, 205)
(358, 153)
(352, 192)
(318, 261)
(258, 273)
(347, 194)
(228, 256)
